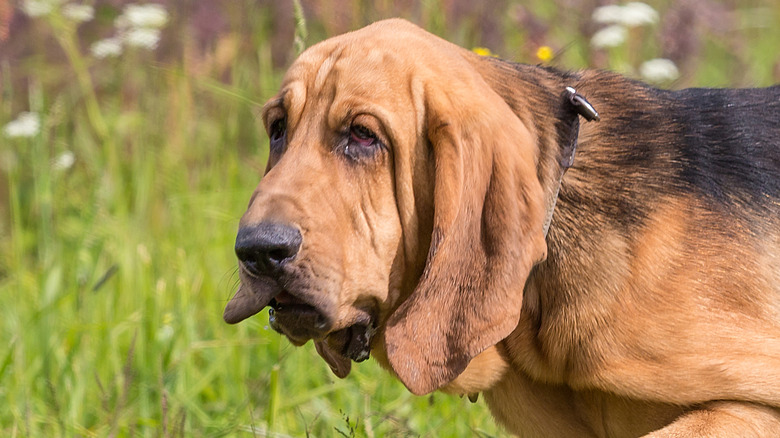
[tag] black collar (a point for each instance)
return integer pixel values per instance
(581, 106)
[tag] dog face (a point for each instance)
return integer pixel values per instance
(323, 229)
(392, 202)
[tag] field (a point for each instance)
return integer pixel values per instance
(122, 186)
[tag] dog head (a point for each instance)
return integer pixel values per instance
(402, 197)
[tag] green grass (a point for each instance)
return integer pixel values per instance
(114, 272)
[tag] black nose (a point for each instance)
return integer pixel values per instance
(264, 248)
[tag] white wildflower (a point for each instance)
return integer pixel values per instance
(166, 331)
(139, 25)
(38, 8)
(147, 16)
(108, 47)
(610, 14)
(27, 124)
(142, 37)
(610, 36)
(78, 13)
(63, 161)
(639, 14)
(631, 15)
(122, 23)
(659, 70)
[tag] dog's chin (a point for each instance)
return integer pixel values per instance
(342, 347)
(339, 347)
(339, 343)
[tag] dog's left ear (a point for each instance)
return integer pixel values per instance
(487, 235)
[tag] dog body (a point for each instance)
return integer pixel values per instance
(404, 211)
(661, 281)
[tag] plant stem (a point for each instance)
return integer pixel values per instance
(65, 33)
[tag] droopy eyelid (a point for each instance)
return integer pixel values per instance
(271, 115)
(273, 110)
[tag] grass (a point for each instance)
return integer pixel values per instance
(114, 271)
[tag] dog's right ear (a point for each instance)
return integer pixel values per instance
(487, 235)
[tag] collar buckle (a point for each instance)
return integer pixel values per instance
(582, 106)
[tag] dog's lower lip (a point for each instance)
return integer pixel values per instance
(287, 312)
(286, 302)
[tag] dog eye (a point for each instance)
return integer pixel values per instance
(277, 132)
(360, 142)
(278, 129)
(361, 136)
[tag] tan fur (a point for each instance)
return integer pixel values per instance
(481, 374)
(667, 326)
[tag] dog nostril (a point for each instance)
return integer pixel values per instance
(278, 255)
(264, 248)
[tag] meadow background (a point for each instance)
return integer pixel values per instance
(129, 150)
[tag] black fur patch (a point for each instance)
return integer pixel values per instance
(730, 144)
(719, 145)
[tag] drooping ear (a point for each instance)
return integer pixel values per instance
(487, 235)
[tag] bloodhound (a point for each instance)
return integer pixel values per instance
(409, 211)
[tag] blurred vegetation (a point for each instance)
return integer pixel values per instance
(118, 210)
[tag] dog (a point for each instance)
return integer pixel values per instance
(595, 256)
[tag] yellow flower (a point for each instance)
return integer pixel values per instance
(482, 51)
(544, 53)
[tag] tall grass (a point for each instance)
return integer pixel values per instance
(114, 270)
